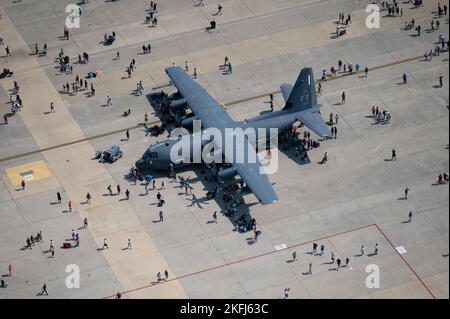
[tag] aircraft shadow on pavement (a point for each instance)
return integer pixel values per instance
(209, 185)
(290, 153)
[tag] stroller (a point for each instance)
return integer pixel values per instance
(408, 25)
(15, 106)
(418, 3)
(109, 40)
(91, 74)
(6, 73)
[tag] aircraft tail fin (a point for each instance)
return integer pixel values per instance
(303, 95)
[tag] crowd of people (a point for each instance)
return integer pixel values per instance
(292, 137)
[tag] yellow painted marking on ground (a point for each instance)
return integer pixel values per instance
(224, 105)
(29, 172)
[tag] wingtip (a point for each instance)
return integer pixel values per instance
(269, 202)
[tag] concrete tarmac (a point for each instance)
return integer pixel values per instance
(356, 198)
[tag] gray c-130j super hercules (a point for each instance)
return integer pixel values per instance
(301, 105)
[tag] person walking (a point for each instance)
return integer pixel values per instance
(118, 189)
(85, 223)
(347, 262)
(215, 217)
(129, 243)
(441, 82)
(405, 78)
(10, 270)
(310, 269)
(70, 206)
(410, 215)
(325, 158)
(343, 98)
(362, 250)
(110, 190)
(88, 198)
(58, 197)
(294, 256)
(332, 257)
(22, 184)
(52, 107)
(166, 273)
(338, 262)
(44, 290)
(286, 293)
(127, 134)
(105, 244)
(375, 250)
(127, 194)
(406, 192)
(322, 250)
(394, 155)
(314, 248)
(161, 216)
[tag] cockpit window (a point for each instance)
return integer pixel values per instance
(153, 155)
(150, 154)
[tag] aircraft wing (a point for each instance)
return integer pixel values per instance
(209, 111)
(203, 105)
(312, 119)
(253, 175)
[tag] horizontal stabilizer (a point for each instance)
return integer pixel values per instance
(313, 120)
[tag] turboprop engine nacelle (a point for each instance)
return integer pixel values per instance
(188, 123)
(227, 173)
(178, 105)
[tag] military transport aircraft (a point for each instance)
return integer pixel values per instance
(301, 105)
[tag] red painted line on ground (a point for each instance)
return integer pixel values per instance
(405, 261)
(244, 259)
(276, 251)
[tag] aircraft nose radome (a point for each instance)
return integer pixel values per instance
(139, 163)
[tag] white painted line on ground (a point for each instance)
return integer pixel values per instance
(401, 250)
